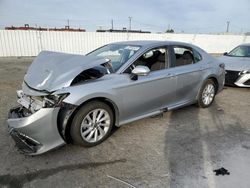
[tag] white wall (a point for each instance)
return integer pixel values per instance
(30, 43)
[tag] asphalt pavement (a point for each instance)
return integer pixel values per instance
(179, 149)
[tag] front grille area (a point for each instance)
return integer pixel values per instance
(231, 77)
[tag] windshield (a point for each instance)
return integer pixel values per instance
(117, 53)
(240, 51)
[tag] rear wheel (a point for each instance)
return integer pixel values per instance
(92, 124)
(207, 94)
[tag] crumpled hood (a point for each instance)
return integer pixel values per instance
(51, 71)
(235, 63)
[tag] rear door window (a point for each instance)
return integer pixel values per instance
(184, 56)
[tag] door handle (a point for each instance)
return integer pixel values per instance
(202, 67)
(170, 75)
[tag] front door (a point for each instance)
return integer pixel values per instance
(148, 93)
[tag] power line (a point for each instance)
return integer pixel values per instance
(149, 25)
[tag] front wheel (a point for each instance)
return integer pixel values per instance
(92, 124)
(207, 94)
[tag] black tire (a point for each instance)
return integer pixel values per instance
(201, 103)
(76, 128)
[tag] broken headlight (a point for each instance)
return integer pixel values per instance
(51, 101)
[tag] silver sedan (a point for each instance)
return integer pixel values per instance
(75, 98)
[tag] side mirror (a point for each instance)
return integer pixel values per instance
(141, 70)
(225, 53)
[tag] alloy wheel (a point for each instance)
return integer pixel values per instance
(95, 125)
(208, 94)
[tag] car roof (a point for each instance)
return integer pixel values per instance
(245, 44)
(148, 43)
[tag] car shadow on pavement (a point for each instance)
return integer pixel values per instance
(183, 148)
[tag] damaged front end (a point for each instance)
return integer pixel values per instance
(39, 121)
(33, 123)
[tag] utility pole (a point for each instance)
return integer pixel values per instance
(112, 24)
(228, 23)
(68, 23)
(130, 19)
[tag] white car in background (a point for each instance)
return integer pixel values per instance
(237, 65)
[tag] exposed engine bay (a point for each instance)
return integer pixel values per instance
(93, 73)
(31, 104)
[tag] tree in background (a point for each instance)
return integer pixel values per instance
(170, 31)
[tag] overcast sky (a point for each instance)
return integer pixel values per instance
(189, 16)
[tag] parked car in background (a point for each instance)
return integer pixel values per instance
(78, 98)
(237, 65)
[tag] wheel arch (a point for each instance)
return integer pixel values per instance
(210, 77)
(67, 113)
(215, 80)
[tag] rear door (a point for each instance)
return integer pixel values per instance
(187, 65)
